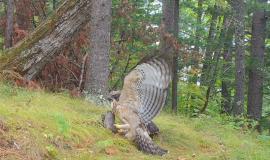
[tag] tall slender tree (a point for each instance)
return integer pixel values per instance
(227, 63)
(210, 45)
(238, 14)
(197, 40)
(255, 84)
(217, 48)
(97, 71)
(9, 26)
(170, 18)
(199, 21)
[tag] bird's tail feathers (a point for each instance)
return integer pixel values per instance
(145, 143)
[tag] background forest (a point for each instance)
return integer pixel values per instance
(221, 68)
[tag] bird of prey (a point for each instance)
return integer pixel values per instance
(141, 99)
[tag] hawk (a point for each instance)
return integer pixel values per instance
(141, 99)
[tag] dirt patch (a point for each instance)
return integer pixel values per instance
(111, 151)
(11, 153)
(3, 127)
(7, 146)
(85, 144)
(4, 143)
(12, 148)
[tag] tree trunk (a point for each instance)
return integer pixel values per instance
(97, 73)
(199, 21)
(170, 18)
(197, 40)
(9, 26)
(227, 60)
(215, 61)
(238, 10)
(36, 50)
(255, 84)
(209, 47)
(175, 59)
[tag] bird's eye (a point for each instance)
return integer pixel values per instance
(110, 99)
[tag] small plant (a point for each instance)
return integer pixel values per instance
(191, 99)
(52, 152)
(265, 123)
(63, 124)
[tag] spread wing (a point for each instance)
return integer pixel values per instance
(145, 88)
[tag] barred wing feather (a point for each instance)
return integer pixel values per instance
(152, 87)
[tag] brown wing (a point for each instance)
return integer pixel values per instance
(145, 88)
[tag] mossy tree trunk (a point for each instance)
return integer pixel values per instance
(30, 55)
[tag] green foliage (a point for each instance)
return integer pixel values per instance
(192, 98)
(104, 144)
(63, 124)
(264, 138)
(265, 123)
(134, 36)
(50, 5)
(52, 152)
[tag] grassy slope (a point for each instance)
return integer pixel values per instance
(56, 126)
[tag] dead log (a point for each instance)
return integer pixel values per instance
(30, 55)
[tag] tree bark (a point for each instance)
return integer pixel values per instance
(31, 54)
(175, 59)
(97, 73)
(238, 10)
(227, 60)
(9, 26)
(255, 84)
(170, 18)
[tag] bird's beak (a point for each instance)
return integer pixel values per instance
(113, 104)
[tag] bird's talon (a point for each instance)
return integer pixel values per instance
(122, 126)
(118, 126)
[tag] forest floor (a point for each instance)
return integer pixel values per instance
(39, 125)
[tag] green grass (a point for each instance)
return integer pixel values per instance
(55, 126)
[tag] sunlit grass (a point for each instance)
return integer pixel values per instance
(60, 127)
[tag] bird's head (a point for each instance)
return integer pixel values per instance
(114, 95)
